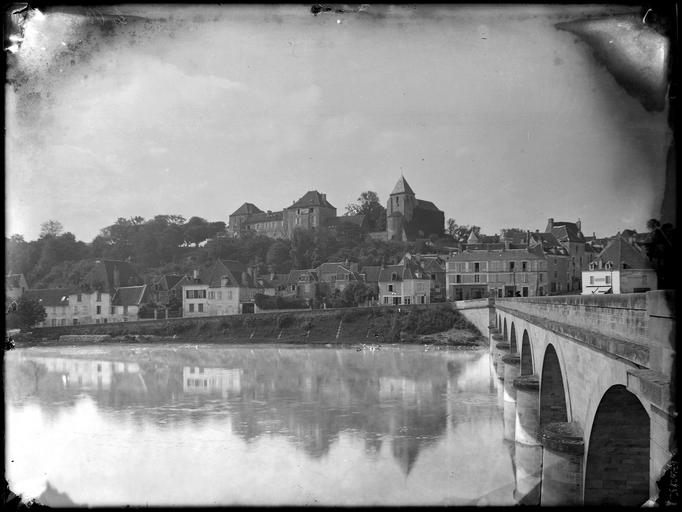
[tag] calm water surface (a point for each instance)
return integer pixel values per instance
(256, 424)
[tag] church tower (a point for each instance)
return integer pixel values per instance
(400, 208)
(402, 200)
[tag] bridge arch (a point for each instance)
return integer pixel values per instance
(553, 407)
(513, 349)
(617, 463)
(526, 355)
(505, 335)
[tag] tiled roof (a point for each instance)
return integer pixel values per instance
(49, 297)
(371, 273)
(129, 296)
(485, 255)
(432, 265)
(311, 198)
(426, 205)
(266, 217)
(272, 280)
(168, 281)
(234, 270)
(567, 232)
(619, 251)
(402, 187)
(403, 272)
(353, 219)
(247, 209)
(105, 271)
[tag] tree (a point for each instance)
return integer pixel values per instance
(51, 228)
(277, 257)
(355, 293)
(451, 227)
(368, 204)
(652, 224)
(30, 312)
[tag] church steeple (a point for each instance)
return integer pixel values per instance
(402, 187)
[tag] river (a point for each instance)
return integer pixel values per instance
(256, 425)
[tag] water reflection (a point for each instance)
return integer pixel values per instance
(288, 424)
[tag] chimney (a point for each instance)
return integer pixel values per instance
(195, 275)
(578, 224)
(117, 278)
(550, 223)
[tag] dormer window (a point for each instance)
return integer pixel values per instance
(394, 276)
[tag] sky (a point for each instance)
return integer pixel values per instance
(490, 112)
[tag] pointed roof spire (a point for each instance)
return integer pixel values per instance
(402, 187)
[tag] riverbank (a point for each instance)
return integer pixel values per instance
(437, 324)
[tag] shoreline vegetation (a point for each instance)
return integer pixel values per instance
(432, 325)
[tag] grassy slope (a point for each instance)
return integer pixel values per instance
(368, 325)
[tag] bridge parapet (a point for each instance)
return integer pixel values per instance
(624, 316)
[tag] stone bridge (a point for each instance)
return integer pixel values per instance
(588, 392)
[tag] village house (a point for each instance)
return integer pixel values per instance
(620, 268)
(570, 236)
(302, 284)
(126, 303)
(227, 288)
(167, 287)
(434, 267)
(370, 275)
(92, 301)
(335, 277)
(539, 267)
(404, 283)
(56, 304)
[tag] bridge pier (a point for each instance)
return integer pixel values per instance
(528, 448)
(501, 349)
(562, 464)
(512, 369)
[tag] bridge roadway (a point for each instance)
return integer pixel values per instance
(588, 392)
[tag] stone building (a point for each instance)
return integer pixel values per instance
(570, 236)
(309, 212)
(409, 218)
(620, 268)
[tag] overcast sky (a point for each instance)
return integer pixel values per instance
(492, 113)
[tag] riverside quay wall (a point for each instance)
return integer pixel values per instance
(594, 381)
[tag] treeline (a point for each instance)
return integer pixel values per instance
(169, 244)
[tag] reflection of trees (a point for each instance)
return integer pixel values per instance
(308, 394)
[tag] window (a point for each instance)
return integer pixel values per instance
(390, 287)
(608, 279)
(229, 292)
(433, 277)
(385, 300)
(407, 300)
(200, 308)
(511, 266)
(644, 279)
(112, 310)
(477, 267)
(99, 310)
(191, 308)
(188, 294)
(458, 278)
(556, 274)
(394, 276)
(310, 210)
(525, 278)
(99, 296)
(397, 201)
(211, 295)
(125, 310)
(79, 298)
(524, 266)
(591, 279)
(477, 278)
